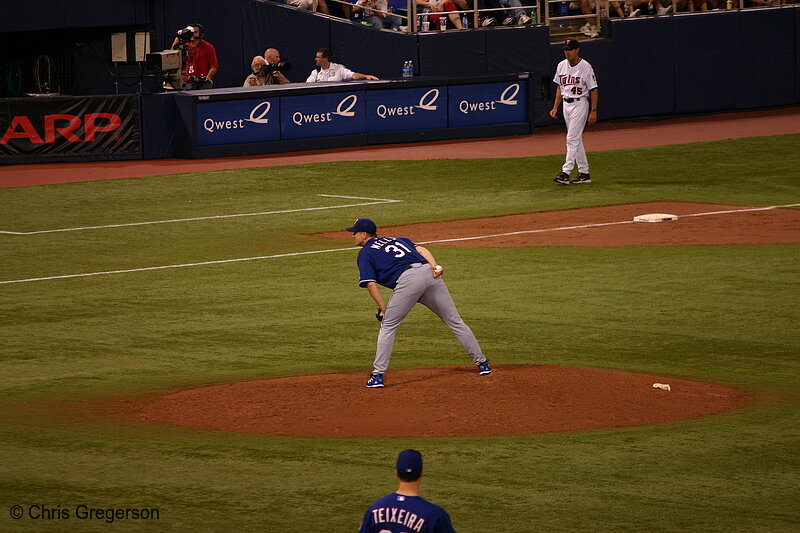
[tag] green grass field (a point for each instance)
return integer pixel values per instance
(726, 314)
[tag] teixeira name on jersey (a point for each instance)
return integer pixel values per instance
(395, 515)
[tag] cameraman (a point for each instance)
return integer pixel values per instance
(275, 67)
(200, 58)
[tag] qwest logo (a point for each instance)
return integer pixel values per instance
(66, 126)
(258, 115)
(507, 97)
(426, 102)
(344, 109)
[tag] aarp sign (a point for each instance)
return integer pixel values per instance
(240, 121)
(485, 104)
(407, 109)
(323, 115)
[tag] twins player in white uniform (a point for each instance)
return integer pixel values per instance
(577, 87)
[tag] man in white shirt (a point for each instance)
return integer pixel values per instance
(327, 71)
(577, 89)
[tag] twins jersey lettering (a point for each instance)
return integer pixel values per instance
(396, 513)
(575, 81)
(383, 259)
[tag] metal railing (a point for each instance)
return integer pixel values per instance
(539, 13)
(413, 19)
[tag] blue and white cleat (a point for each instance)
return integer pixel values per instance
(376, 381)
(483, 368)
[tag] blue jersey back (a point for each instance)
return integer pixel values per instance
(383, 259)
(396, 513)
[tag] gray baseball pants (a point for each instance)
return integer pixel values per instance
(417, 284)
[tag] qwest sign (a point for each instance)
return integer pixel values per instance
(323, 115)
(407, 109)
(484, 104)
(59, 126)
(238, 121)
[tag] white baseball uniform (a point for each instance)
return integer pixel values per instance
(575, 83)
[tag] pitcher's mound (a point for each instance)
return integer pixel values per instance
(515, 399)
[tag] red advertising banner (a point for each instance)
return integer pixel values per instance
(69, 126)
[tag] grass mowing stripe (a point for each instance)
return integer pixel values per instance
(312, 252)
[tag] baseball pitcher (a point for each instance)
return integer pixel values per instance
(413, 275)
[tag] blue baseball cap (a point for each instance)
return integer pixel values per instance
(409, 462)
(571, 44)
(363, 224)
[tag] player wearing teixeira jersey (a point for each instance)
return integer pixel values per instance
(412, 274)
(577, 87)
(404, 511)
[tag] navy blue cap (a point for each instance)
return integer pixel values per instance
(409, 462)
(571, 44)
(363, 224)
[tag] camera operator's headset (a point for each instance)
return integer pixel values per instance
(200, 26)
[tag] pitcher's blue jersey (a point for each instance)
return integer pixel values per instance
(383, 259)
(396, 513)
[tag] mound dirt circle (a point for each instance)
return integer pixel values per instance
(442, 401)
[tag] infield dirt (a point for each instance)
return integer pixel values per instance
(516, 399)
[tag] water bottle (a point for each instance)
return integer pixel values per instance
(564, 6)
(464, 21)
(408, 69)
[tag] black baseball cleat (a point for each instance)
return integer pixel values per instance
(582, 178)
(562, 178)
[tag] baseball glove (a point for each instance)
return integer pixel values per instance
(378, 315)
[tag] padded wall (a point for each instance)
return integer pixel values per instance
(511, 49)
(371, 51)
(452, 53)
(708, 74)
(797, 54)
(644, 66)
(158, 140)
(766, 74)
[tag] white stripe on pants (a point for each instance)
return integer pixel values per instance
(575, 115)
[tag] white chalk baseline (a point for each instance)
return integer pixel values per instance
(373, 201)
(352, 249)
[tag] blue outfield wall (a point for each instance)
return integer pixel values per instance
(649, 66)
(701, 63)
(686, 63)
